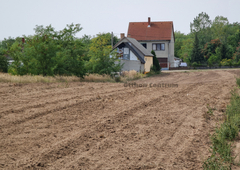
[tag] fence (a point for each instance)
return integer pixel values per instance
(191, 68)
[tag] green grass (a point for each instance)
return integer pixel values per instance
(238, 82)
(221, 148)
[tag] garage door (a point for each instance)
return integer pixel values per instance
(163, 62)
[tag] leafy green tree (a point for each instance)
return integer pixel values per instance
(196, 52)
(7, 42)
(201, 22)
(86, 41)
(230, 52)
(16, 53)
(99, 52)
(156, 65)
(186, 49)
(234, 38)
(237, 54)
(219, 27)
(3, 62)
(223, 51)
(179, 38)
(210, 48)
(4, 45)
(71, 50)
(202, 25)
(49, 52)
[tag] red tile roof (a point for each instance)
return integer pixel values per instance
(157, 31)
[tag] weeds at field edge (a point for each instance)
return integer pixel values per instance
(124, 77)
(221, 150)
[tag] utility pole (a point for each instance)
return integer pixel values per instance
(112, 39)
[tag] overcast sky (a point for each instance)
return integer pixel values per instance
(19, 17)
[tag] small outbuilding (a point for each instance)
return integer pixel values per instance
(133, 55)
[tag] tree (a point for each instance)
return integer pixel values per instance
(196, 52)
(201, 22)
(156, 66)
(219, 27)
(237, 54)
(202, 25)
(99, 52)
(179, 38)
(234, 39)
(7, 42)
(86, 40)
(3, 62)
(186, 49)
(49, 52)
(210, 48)
(223, 51)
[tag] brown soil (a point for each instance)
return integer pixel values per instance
(109, 126)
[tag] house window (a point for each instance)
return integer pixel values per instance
(158, 46)
(144, 45)
(126, 50)
(126, 54)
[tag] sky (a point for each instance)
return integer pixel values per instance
(20, 17)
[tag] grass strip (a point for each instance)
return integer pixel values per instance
(221, 149)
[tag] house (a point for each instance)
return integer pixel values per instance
(133, 55)
(157, 36)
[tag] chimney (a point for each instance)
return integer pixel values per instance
(129, 36)
(122, 35)
(23, 40)
(149, 22)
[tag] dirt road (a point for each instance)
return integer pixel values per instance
(109, 126)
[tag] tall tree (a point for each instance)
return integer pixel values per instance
(196, 52)
(201, 22)
(219, 27)
(202, 25)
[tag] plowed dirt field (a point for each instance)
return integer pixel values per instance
(108, 126)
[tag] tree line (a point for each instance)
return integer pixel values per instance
(210, 43)
(49, 52)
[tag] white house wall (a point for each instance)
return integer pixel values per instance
(171, 52)
(132, 65)
(133, 56)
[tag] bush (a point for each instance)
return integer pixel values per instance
(194, 64)
(226, 62)
(156, 67)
